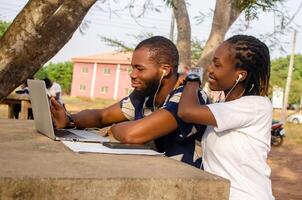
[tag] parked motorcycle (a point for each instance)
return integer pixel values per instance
(278, 133)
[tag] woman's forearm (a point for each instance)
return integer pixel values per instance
(189, 100)
(190, 110)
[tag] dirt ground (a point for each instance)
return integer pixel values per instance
(285, 162)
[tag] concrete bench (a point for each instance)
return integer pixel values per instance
(33, 166)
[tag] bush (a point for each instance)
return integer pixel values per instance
(58, 72)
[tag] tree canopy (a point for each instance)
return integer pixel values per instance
(3, 26)
(279, 71)
(58, 72)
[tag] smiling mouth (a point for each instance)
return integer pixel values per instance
(135, 84)
(211, 78)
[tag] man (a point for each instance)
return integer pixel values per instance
(24, 91)
(149, 113)
(53, 90)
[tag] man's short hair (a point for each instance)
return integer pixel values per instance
(162, 50)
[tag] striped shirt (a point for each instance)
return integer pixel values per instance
(180, 142)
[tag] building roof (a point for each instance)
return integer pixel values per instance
(108, 58)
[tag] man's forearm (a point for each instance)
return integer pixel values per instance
(88, 119)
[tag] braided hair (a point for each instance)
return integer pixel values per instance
(253, 56)
(162, 50)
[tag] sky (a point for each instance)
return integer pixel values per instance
(111, 20)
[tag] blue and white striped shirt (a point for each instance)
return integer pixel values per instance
(180, 142)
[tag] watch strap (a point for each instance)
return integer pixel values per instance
(193, 79)
(71, 123)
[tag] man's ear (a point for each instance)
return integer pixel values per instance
(166, 70)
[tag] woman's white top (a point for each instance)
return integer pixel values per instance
(238, 147)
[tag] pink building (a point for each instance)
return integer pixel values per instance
(102, 76)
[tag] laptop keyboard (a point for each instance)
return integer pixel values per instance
(61, 133)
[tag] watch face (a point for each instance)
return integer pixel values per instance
(193, 76)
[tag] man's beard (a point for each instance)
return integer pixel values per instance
(150, 89)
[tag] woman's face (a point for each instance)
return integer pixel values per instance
(222, 74)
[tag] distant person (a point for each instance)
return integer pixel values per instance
(23, 90)
(238, 137)
(54, 90)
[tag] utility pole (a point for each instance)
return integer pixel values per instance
(289, 79)
(172, 24)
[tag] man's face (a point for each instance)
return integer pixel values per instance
(145, 73)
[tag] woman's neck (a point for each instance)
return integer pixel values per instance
(236, 93)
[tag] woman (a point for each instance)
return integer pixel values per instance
(237, 140)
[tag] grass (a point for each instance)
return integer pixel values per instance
(293, 132)
(74, 104)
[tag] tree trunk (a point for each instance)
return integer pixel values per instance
(288, 79)
(39, 31)
(225, 14)
(183, 33)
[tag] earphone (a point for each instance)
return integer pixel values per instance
(239, 77)
(164, 72)
(162, 76)
(237, 81)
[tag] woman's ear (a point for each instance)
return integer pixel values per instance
(241, 75)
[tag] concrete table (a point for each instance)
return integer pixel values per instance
(33, 166)
(12, 99)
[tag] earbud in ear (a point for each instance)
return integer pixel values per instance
(239, 77)
(164, 72)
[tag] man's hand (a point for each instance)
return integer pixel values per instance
(58, 114)
(111, 136)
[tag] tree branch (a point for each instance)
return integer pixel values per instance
(39, 44)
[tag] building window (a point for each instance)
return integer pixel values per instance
(85, 70)
(106, 71)
(104, 89)
(82, 87)
(128, 91)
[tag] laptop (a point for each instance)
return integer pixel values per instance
(42, 118)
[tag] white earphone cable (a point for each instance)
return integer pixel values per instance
(237, 81)
(154, 108)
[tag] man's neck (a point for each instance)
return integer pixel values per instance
(165, 89)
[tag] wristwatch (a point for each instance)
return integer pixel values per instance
(71, 123)
(193, 77)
